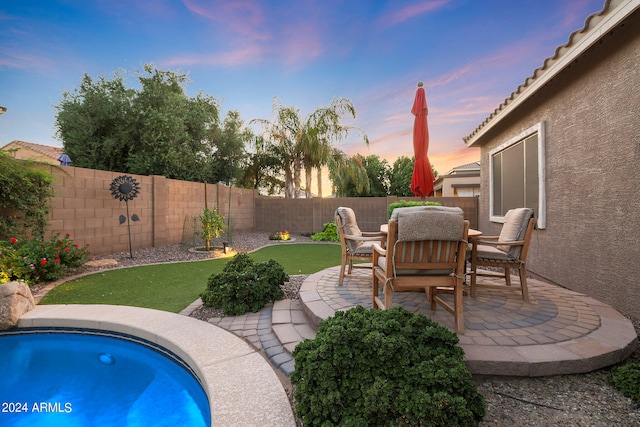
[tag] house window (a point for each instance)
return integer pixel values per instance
(517, 171)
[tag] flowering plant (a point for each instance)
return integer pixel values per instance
(34, 260)
(280, 235)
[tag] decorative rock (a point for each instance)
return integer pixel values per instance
(101, 263)
(15, 300)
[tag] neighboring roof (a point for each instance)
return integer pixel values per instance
(596, 26)
(475, 166)
(458, 172)
(45, 150)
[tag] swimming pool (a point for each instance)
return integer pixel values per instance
(71, 377)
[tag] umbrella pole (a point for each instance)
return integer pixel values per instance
(422, 199)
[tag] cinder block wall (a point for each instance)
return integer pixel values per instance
(310, 215)
(83, 206)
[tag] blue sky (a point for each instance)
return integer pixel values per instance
(471, 54)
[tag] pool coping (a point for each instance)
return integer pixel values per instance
(242, 388)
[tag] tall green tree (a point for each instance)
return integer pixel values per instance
(378, 173)
(154, 130)
(261, 169)
(229, 149)
(401, 172)
(305, 142)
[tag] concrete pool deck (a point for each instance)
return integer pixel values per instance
(242, 387)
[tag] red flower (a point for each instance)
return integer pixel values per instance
(43, 261)
(67, 249)
(56, 260)
(75, 245)
(13, 240)
(67, 234)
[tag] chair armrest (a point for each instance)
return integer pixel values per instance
(373, 234)
(498, 242)
(379, 249)
(365, 238)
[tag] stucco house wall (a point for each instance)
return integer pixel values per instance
(591, 116)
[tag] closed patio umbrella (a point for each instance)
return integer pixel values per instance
(422, 178)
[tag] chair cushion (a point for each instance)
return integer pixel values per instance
(365, 248)
(493, 253)
(514, 228)
(349, 226)
(430, 225)
(396, 211)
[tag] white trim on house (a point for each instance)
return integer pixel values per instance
(541, 211)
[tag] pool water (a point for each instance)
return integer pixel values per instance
(89, 379)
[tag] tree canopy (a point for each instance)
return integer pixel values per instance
(155, 129)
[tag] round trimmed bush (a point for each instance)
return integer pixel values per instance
(244, 285)
(378, 368)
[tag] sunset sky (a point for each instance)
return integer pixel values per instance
(471, 54)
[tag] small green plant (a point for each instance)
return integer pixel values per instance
(329, 233)
(384, 368)
(244, 285)
(212, 226)
(626, 378)
(35, 260)
(406, 204)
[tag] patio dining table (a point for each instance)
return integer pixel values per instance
(384, 228)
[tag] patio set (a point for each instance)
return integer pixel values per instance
(432, 248)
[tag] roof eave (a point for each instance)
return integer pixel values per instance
(596, 26)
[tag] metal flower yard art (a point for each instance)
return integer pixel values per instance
(125, 188)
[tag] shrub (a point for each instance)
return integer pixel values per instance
(329, 233)
(244, 286)
(35, 260)
(626, 378)
(406, 204)
(374, 367)
(26, 191)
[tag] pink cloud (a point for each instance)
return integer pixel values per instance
(243, 56)
(398, 16)
(301, 41)
(23, 61)
(240, 18)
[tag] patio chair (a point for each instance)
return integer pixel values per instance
(356, 244)
(425, 250)
(506, 251)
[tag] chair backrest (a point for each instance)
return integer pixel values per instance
(397, 211)
(514, 229)
(347, 224)
(428, 240)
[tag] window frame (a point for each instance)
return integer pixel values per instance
(538, 128)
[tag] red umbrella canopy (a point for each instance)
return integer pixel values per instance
(422, 178)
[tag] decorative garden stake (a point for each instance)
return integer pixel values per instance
(126, 188)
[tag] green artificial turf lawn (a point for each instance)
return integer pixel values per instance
(172, 287)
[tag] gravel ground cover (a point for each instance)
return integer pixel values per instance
(567, 400)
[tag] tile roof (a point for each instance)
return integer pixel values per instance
(46, 150)
(596, 26)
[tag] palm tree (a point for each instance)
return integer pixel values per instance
(306, 143)
(345, 170)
